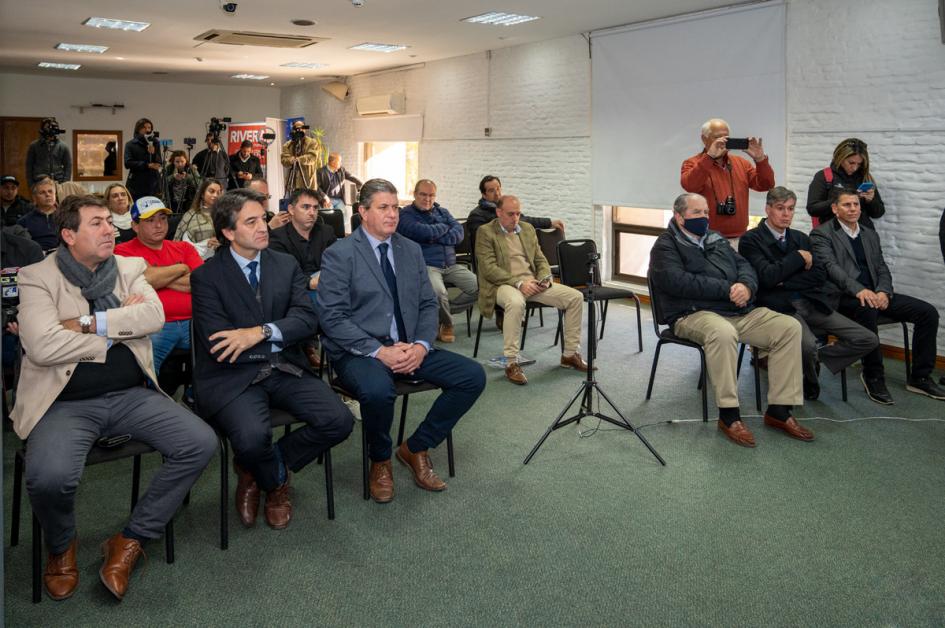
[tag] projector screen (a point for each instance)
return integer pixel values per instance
(654, 84)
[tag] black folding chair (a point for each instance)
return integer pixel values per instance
(548, 240)
(355, 221)
(334, 218)
(884, 320)
(577, 268)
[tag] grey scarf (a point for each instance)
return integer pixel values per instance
(97, 287)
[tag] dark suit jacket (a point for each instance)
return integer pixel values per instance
(781, 274)
(223, 299)
(324, 183)
(308, 254)
(833, 249)
(355, 305)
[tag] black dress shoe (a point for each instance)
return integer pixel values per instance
(941, 380)
(876, 390)
(811, 390)
(925, 386)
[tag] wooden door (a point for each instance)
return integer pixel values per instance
(16, 135)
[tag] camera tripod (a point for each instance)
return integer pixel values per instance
(589, 386)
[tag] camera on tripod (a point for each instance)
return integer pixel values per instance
(190, 142)
(726, 207)
(299, 132)
(217, 126)
(50, 130)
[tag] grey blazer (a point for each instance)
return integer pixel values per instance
(832, 248)
(354, 304)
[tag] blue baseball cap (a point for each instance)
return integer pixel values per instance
(147, 206)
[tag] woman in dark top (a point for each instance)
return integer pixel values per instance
(849, 169)
(143, 161)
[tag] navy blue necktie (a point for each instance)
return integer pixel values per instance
(782, 242)
(391, 279)
(253, 279)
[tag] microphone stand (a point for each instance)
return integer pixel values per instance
(589, 386)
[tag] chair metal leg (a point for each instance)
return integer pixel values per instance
(741, 356)
(224, 493)
(541, 317)
(449, 453)
(705, 387)
(478, 334)
(559, 331)
(403, 420)
(37, 561)
(636, 301)
(757, 386)
(525, 329)
(843, 383)
(187, 499)
(169, 542)
(329, 485)
(469, 322)
(656, 358)
(18, 463)
(135, 481)
(364, 462)
(907, 352)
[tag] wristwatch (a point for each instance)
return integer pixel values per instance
(85, 322)
(267, 332)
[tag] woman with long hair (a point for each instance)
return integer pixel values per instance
(119, 202)
(196, 225)
(181, 181)
(849, 169)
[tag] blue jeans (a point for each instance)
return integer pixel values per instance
(337, 203)
(175, 335)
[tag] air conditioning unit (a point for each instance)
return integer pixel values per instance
(384, 104)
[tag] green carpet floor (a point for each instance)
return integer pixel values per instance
(844, 531)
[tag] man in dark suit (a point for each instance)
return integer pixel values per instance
(379, 317)
(251, 312)
(331, 179)
(791, 281)
(860, 282)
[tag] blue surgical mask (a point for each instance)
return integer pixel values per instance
(697, 226)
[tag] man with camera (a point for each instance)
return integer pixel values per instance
(14, 206)
(513, 270)
(40, 222)
(49, 155)
(87, 373)
(212, 162)
(723, 179)
(706, 291)
(244, 166)
(301, 156)
(791, 281)
(331, 180)
(860, 286)
(143, 161)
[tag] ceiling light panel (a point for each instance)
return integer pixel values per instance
(300, 64)
(59, 66)
(121, 25)
(500, 19)
(82, 48)
(251, 77)
(373, 47)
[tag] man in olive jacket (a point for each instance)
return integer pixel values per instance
(512, 270)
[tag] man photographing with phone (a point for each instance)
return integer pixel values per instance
(724, 179)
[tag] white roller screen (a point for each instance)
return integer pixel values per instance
(653, 86)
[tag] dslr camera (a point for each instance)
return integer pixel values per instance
(726, 207)
(49, 129)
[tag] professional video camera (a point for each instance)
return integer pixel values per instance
(190, 142)
(217, 126)
(49, 129)
(299, 132)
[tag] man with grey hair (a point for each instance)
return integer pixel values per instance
(40, 221)
(706, 291)
(723, 179)
(791, 281)
(379, 317)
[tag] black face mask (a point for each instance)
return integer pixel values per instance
(696, 226)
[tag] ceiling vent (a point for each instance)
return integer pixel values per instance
(267, 40)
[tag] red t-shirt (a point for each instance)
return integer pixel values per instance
(176, 303)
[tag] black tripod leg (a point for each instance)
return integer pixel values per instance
(630, 426)
(580, 391)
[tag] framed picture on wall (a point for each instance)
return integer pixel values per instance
(97, 156)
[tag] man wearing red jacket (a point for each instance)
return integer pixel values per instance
(724, 179)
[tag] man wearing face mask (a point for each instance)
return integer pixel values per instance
(706, 291)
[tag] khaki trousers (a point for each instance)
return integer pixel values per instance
(778, 334)
(561, 297)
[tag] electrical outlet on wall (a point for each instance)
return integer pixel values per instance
(487, 131)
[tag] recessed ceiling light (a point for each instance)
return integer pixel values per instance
(82, 48)
(271, 84)
(301, 22)
(378, 47)
(300, 64)
(120, 58)
(59, 66)
(251, 77)
(500, 19)
(121, 25)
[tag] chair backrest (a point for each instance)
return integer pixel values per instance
(658, 316)
(335, 219)
(464, 248)
(572, 262)
(355, 221)
(548, 242)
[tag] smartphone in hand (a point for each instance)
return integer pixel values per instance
(736, 143)
(866, 186)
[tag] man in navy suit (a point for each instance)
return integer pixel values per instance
(252, 314)
(379, 318)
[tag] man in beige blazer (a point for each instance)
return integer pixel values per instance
(512, 270)
(87, 373)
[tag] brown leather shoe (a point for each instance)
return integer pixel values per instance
(515, 375)
(790, 427)
(247, 496)
(120, 555)
(446, 334)
(575, 361)
(738, 433)
(311, 352)
(62, 575)
(422, 468)
(279, 506)
(382, 482)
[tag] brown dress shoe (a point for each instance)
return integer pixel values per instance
(311, 352)
(120, 555)
(279, 506)
(422, 468)
(446, 334)
(515, 375)
(382, 482)
(790, 427)
(575, 361)
(62, 575)
(247, 496)
(738, 433)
